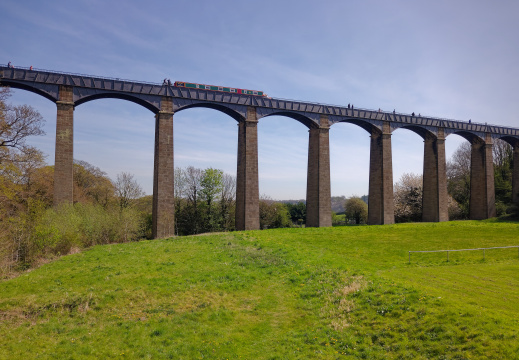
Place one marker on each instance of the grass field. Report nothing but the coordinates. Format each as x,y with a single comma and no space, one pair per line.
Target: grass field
316,293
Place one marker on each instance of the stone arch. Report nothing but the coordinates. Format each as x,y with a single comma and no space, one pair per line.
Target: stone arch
121,96
434,173
224,109
380,193
512,140
366,125
420,130
469,136
482,194
306,121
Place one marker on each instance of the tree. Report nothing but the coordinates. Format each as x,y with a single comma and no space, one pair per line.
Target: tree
297,212
127,189
91,184
273,214
458,176
228,202
408,192
503,173
356,209
211,187
17,123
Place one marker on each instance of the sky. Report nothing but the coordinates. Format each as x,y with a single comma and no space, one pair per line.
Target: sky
454,59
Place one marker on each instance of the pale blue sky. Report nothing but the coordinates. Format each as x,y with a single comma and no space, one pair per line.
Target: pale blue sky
452,59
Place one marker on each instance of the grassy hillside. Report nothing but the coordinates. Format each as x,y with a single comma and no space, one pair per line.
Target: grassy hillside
276,294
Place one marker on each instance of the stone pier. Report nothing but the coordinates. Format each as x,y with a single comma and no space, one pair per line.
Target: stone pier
434,201
482,193
247,183
380,198
64,160
318,190
163,173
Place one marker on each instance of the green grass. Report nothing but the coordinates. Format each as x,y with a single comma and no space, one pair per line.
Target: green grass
315,293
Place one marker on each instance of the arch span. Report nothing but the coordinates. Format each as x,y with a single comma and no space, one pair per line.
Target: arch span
33,89
470,137
309,123
423,132
224,109
511,140
368,126
121,96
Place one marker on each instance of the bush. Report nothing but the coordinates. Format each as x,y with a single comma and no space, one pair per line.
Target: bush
273,215
83,225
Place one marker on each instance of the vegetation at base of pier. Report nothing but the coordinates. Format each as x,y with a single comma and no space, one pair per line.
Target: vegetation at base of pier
315,293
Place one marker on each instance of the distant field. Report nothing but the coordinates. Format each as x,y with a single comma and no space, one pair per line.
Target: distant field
315,293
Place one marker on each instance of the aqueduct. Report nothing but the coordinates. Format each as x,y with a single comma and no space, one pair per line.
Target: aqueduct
70,90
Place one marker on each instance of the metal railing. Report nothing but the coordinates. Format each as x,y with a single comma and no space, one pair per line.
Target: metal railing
84,75
447,251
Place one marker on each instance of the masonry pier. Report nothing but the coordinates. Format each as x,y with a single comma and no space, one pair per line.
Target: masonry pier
318,190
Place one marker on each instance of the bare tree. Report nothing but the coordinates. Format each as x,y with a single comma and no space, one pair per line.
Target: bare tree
16,124
502,153
459,164
127,189
180,182
227,201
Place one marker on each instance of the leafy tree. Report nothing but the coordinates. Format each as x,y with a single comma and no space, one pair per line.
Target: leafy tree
193,210
204,200
211,187
458,176
297,212
356,209
273,214
503,171
91,184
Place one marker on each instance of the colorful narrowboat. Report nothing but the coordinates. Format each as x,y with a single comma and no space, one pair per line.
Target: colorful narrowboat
219,88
